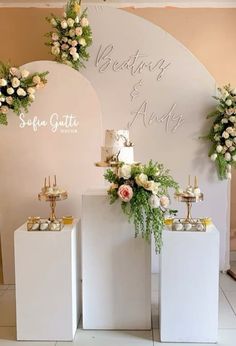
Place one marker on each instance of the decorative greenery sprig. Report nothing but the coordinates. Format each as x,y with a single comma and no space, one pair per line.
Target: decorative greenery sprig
222,133
17,89
143,191
71,36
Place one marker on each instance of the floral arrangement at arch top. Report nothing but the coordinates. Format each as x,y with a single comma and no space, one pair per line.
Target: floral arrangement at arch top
143,192
71,35
222,133
18,89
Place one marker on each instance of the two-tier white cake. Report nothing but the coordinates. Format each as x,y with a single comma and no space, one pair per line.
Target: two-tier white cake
117,147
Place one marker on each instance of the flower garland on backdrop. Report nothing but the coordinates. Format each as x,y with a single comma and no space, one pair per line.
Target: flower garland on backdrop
71,36
223,132
143,192
17,89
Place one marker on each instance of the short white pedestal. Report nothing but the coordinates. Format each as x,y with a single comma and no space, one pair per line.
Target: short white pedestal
116,268
189,286
47,283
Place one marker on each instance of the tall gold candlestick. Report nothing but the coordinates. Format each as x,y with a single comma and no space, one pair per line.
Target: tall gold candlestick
195,182
55,180
49,182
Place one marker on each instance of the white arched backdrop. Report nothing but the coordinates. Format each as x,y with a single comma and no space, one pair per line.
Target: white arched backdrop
28,155
149,82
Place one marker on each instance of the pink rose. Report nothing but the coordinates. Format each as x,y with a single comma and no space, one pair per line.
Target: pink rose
164,200
125,192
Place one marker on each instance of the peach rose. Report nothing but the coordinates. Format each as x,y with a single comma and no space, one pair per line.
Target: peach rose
125,192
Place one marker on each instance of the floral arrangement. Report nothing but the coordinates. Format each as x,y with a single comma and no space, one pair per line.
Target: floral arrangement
17,89
143,192
71,36
223,132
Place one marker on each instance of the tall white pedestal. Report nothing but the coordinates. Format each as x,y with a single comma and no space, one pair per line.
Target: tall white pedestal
47,270
116,268
189,286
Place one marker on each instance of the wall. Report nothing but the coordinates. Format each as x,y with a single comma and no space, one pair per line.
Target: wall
208,33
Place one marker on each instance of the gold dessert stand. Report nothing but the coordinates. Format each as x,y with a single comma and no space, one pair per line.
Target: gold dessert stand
189,200
52,199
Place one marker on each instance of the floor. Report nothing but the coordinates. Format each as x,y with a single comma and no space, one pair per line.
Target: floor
227,323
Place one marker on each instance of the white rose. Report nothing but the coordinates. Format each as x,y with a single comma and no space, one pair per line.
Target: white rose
233,91
234,157
152,186
229,130
84,21
224,121
70,22
64,46
227,156
3,82
141,179
21,92
74,43
125,171
230,111
228,175
82,42
75,56
64,39
24,73
228,102
15,72
154,201
31,90
9,100
216,138
219,148
36,79
53,22
72,33
69,41
63,24
78,31
214,157
164,201
10,91
231,149
55,50
55,36
56,44
73,50
225,135
15,82
2,98
232,119
4,109
64,56
228,143
31,97
225,94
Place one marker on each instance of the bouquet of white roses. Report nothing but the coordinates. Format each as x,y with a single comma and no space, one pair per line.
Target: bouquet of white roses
71,36
143,192
17,89
223,132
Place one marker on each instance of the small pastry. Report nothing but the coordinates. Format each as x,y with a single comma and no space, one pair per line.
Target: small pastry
199,227
35,226
178,227
187,226
197,191
43,226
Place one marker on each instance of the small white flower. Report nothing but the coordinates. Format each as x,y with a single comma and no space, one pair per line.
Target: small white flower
78,31
53,22
225,135
55,50
228,143
164,201
55,36
69,41
227,156
10,91
3,82
24,73
64,24
31,90
70,22
154,201
84,22
36,79
234,157
225,94
77,19
15,82
2,99
216,127
21,92
224,121
125,171
219,148
228,175
4,109
229,129
15,72
232,119
74,43
228,102
73,50
82,42
56,44
64,39
64,46
216,138
230,111
233,91
214,157
9,100
64,56
31,97
234,140
72,33
75,56
231,149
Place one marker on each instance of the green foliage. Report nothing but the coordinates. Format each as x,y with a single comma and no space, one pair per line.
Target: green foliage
146,218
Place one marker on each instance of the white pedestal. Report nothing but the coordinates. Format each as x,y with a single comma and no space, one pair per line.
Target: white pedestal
116,268
47,283
189,286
